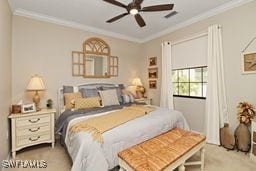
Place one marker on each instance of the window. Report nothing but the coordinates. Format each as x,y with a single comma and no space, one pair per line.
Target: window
190,82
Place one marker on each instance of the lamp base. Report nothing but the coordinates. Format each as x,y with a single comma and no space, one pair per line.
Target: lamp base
140,91
36,100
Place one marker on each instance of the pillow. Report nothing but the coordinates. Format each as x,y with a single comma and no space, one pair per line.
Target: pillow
127,98
70,89
109,97
118,91
70,98
85,103
89,92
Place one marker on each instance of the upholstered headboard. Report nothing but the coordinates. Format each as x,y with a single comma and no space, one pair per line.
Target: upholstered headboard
60,95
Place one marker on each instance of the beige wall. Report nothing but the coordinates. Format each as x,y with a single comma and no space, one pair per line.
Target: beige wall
5,75
238,29
45,49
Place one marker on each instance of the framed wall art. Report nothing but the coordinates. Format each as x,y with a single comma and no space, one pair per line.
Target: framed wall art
249,63
152,73
152,84
153,61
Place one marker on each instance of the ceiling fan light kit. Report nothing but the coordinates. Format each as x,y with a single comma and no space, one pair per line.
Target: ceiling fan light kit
134,8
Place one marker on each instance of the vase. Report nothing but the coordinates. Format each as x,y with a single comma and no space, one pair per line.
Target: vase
243,138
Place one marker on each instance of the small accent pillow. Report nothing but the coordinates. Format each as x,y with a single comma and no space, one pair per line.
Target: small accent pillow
85,103
109,97
127,98
89,92
70,99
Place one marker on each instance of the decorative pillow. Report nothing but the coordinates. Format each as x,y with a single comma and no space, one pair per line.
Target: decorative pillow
70,98
84,103
118,91
89,92
109,97
70,89
127,98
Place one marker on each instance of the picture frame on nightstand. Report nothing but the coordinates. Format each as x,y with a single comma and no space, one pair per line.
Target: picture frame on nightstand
28,108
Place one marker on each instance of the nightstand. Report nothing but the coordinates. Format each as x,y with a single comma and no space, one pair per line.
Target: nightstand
32,129
253,137
148,101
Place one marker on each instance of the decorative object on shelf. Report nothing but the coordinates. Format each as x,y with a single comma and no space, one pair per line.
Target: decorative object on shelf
246,113
95,61
152,73
249,59
49,104
140,90
16,109
36,84
153,61
152,84
28,108
226,138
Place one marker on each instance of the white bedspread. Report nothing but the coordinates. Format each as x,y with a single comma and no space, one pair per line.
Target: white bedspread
89,155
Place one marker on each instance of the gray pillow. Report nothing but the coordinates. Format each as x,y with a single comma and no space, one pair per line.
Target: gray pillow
118,91
109,97
68,89
89,92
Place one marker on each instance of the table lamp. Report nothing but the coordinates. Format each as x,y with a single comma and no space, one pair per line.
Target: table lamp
36,84
140,89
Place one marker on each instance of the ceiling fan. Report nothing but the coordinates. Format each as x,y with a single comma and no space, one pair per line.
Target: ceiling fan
134,8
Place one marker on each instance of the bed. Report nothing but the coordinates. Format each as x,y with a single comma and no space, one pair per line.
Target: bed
90,155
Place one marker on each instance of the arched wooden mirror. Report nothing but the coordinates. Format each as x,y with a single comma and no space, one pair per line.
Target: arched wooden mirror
96,58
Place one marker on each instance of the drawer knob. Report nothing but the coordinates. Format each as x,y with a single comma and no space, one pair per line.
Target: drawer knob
35,139
34,121
34,130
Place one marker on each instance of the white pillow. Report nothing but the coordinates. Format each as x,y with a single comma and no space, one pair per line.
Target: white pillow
109,97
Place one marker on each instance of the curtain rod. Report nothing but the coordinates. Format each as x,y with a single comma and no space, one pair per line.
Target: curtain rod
190,38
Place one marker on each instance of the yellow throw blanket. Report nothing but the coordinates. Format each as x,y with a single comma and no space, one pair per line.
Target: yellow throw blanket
98,125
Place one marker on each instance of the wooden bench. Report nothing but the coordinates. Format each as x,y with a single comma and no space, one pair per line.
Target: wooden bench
164,152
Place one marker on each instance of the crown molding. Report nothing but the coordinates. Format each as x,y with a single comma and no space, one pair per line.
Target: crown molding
58,21
210,13
62,22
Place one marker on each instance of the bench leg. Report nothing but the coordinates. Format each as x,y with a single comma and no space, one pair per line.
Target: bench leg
202,151
182,167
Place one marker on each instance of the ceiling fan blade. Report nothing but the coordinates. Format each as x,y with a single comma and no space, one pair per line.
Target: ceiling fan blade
114,2
164,7
117,17
138,2
140,20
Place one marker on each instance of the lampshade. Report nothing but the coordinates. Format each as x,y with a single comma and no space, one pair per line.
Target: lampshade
35,83
137,82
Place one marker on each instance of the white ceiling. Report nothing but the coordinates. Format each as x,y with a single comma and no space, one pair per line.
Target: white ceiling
92,14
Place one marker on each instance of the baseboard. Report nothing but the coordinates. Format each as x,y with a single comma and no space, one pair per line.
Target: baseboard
7,158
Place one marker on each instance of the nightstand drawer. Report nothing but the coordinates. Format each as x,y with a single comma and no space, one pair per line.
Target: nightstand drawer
35,120
33,130
24,141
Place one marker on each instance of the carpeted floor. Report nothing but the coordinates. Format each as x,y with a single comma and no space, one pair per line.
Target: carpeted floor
216,159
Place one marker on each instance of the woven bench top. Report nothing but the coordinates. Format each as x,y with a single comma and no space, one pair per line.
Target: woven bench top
158,153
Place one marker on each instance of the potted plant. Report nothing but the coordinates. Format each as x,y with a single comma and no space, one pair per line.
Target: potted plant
49,104
245,114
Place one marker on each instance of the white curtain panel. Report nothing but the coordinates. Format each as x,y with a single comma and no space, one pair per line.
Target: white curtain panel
216,105
166,99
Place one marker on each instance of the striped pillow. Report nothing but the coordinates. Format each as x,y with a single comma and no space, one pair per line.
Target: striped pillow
85,103
128,98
